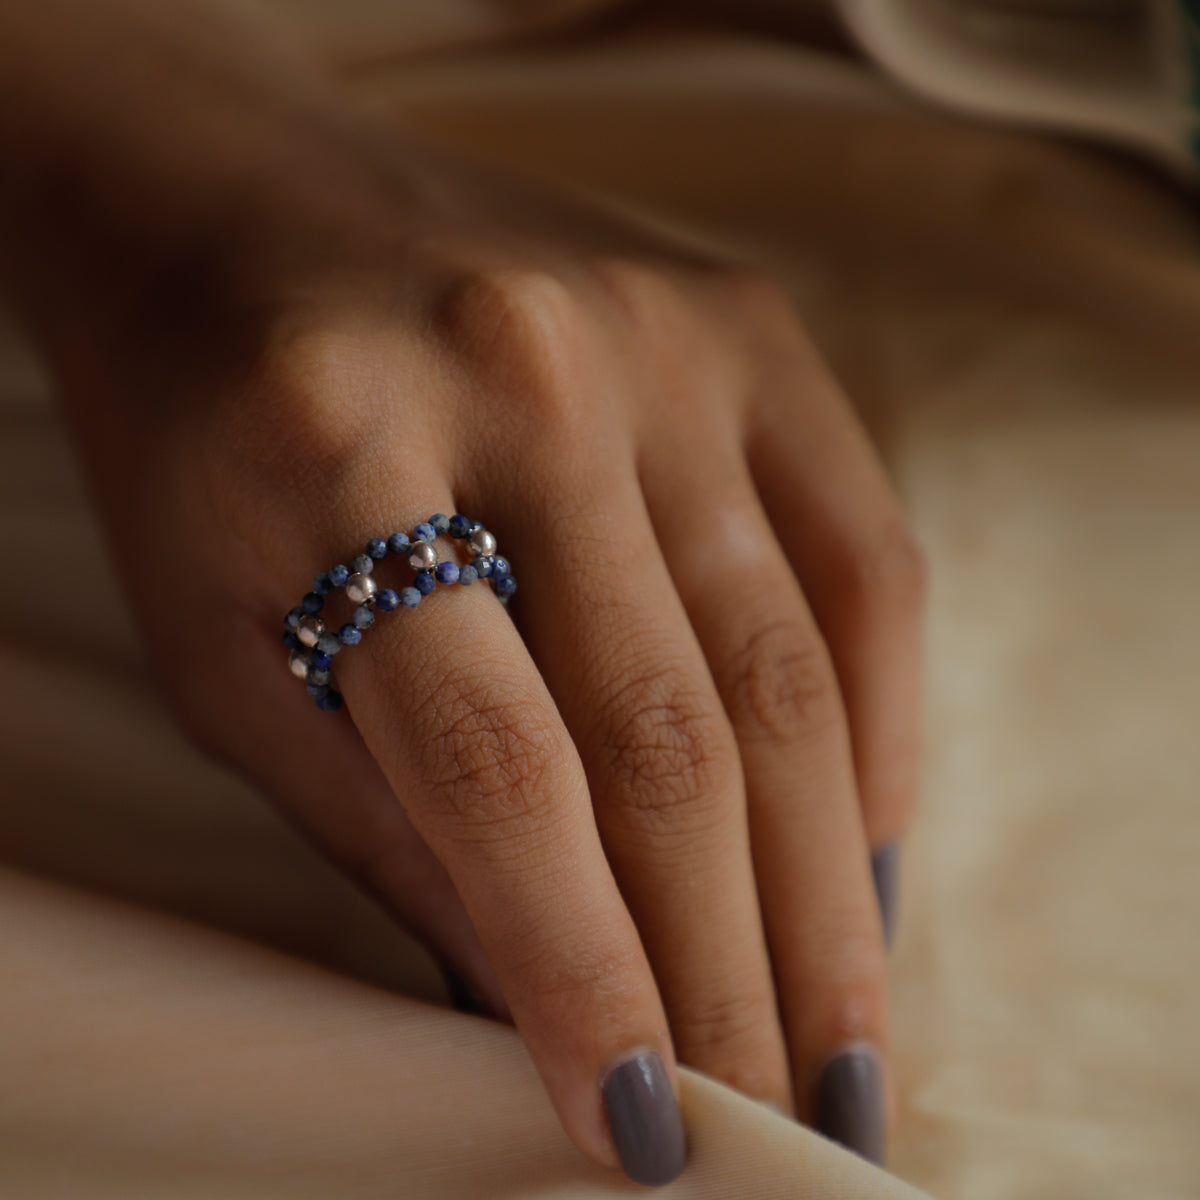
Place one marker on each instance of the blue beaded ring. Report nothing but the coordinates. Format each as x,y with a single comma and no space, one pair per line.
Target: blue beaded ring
313,644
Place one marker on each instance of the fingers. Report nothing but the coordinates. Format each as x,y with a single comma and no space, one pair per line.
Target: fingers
780,690
453,709
615,646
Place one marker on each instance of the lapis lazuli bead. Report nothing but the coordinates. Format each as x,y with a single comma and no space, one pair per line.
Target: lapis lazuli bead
330,702
500,566
447,572
312,604
349,634
363,617
329,643
323,585
467,575
425,583
339,574
293,619
397,543
317,690
504,586
483,565
424,532
319,658
410,597
459,525
377,548
440,522
363,564
318,674
386,600
291,641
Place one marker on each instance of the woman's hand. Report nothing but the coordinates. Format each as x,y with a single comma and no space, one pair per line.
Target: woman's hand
639,815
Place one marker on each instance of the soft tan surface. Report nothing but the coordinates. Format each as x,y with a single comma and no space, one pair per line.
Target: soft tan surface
1021,325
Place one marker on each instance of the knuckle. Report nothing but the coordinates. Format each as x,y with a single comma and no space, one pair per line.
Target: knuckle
648,299
782,686
840,956
891,570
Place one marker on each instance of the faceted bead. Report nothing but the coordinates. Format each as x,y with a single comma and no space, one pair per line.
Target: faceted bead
291,641
398,543
481,541
424,532
500,566
330,702
440,523
425,583
339,574
386,600
467,575
309,629
482,565
319,658
312,604
322,585
377,548
423,557
318,675
447,572
459,525
504,586
349,634
363,564
410,597
298,664
363,617
360,588
317,690
329,643
293,618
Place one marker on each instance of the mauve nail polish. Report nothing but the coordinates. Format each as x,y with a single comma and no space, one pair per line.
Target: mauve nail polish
850,1103
885,869
644,1118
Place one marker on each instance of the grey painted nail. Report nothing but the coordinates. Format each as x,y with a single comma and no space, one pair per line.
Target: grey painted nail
885,868
850,1103
644,1118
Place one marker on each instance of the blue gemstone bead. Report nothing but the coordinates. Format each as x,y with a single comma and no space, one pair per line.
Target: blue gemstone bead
424,532
322,584
338,575
410,597
500,566
440,522
459,525
349,635
424,583
291,641
363,617
447,572
329,643
312,604
330,702
319,659
317,690
483,565
318,674
377,548
292,620
386,600
505,586
364,564
397,543
468,575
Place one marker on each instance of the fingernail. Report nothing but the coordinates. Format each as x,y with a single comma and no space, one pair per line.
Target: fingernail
850,1103
885,868
462,996
644,1118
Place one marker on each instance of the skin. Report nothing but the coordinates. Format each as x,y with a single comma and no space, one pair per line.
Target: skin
639,811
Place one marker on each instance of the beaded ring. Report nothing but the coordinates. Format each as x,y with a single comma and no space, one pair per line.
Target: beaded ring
313,645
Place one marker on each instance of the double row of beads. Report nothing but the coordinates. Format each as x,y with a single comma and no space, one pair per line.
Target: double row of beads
313,644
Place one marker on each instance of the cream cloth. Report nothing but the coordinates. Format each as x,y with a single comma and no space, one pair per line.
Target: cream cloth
1019,323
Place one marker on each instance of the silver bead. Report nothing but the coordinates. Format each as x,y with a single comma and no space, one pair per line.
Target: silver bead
423,557
309,629
298,664
480,541
361,588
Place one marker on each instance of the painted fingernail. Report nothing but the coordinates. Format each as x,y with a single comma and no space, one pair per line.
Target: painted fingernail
885,868
850,1103
462,996
644,1118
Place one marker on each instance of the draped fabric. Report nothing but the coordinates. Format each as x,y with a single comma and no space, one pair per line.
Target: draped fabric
193,1004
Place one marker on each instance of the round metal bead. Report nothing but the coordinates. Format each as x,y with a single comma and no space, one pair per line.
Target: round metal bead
423,557
362,565
481,541
360,587
298,664
309,629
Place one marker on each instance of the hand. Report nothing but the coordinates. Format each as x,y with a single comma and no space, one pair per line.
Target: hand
638,815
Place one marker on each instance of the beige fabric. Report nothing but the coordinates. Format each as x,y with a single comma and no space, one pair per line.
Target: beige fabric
1018,323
